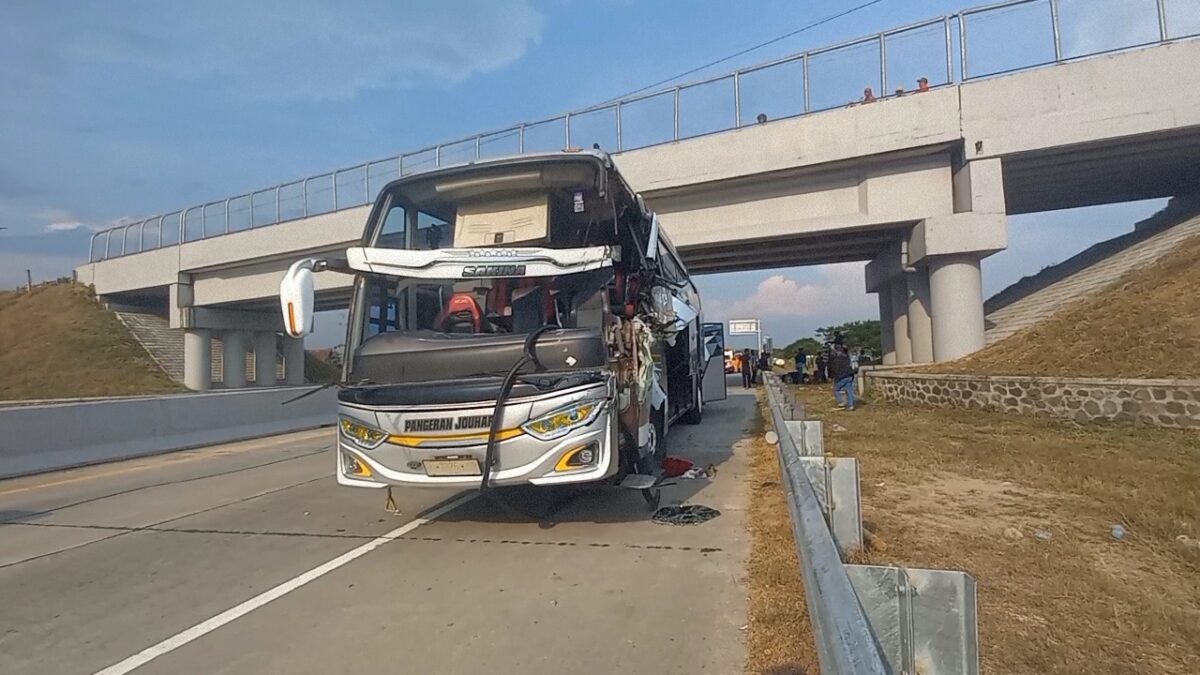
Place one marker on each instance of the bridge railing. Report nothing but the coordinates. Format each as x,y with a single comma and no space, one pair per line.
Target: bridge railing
974,43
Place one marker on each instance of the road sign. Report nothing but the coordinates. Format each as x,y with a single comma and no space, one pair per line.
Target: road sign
744,327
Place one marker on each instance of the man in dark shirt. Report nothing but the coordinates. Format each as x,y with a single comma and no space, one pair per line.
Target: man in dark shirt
747,369
842,374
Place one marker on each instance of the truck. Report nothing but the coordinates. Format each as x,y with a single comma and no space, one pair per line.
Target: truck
517,321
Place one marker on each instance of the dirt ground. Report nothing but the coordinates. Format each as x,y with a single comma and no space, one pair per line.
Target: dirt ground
56,342
780,638
1027,506
1145,325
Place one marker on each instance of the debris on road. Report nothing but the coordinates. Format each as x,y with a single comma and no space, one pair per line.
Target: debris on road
673,467
1118,532
1042,534
688,514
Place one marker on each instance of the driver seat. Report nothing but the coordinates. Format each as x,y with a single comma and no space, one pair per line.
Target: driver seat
461,315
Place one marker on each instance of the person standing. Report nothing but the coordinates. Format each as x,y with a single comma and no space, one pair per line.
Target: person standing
747,369
841,371
801,365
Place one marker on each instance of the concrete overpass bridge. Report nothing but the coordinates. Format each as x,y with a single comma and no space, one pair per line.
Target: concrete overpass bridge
920,185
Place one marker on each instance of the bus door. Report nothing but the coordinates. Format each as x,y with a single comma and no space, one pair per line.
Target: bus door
713,385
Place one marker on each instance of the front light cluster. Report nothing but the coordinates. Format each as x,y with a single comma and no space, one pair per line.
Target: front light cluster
363,435
558,423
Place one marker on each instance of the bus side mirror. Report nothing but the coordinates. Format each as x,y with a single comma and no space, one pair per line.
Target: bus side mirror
296,298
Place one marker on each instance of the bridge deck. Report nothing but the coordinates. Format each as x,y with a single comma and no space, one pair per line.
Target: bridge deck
101,563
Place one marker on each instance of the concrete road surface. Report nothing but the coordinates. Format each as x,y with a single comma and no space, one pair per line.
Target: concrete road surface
248,558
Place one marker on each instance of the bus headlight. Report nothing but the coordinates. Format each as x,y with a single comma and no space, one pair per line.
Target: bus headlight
559,422
363,435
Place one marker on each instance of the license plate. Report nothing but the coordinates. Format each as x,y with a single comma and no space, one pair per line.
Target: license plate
452,466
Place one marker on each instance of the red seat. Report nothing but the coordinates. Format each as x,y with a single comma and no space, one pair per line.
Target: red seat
461,315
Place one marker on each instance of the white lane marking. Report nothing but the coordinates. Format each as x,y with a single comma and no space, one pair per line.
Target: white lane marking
199,630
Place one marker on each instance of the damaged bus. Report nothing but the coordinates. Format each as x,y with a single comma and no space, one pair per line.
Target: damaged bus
516,321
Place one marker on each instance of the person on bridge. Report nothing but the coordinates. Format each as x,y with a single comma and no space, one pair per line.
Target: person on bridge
922,85
747,369
841,371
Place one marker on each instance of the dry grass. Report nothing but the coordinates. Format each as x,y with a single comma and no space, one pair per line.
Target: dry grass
56,342
1145,325
780,640
970,490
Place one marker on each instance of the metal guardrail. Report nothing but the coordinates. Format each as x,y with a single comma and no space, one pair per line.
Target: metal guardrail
679,111
865,618
845,643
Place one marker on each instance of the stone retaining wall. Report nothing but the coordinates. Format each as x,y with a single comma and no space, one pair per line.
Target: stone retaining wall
1165,403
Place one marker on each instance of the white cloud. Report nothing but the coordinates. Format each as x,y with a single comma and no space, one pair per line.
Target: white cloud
65,226
65,223
840,291
310,50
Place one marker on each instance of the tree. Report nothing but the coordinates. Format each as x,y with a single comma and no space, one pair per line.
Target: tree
856,335
809,345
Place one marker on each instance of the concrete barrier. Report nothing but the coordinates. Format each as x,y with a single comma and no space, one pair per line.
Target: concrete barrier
56,435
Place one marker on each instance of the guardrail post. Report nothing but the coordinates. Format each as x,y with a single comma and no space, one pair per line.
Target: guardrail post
367,178
252,210
1054,25
737,99
962,46
182,226
807,100
304,196
160,228
949,51
226,216
142,236
620,141
477,144
676,136
399,165
333,183
883,87
1163,33
521,140
567,128
437,156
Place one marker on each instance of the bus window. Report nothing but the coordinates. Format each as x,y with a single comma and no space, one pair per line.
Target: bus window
394,224
432,233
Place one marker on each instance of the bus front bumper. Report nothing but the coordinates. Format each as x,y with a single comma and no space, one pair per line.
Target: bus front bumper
583,455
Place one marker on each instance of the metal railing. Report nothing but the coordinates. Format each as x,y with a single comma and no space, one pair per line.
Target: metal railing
697,108
844,641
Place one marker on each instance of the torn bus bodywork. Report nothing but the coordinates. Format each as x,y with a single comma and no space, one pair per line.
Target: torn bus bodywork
517,321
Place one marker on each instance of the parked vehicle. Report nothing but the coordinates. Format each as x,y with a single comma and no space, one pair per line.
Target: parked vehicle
515,321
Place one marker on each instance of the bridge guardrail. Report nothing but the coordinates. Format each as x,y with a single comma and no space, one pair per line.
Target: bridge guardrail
865,618
52,435
679,112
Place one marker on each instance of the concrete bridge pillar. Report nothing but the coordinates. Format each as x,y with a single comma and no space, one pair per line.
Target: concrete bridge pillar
920,323
956,292
233,358
197,359
899,293
293,360
264,359
885,327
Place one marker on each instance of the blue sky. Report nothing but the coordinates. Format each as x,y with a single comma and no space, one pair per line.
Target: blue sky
113,110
